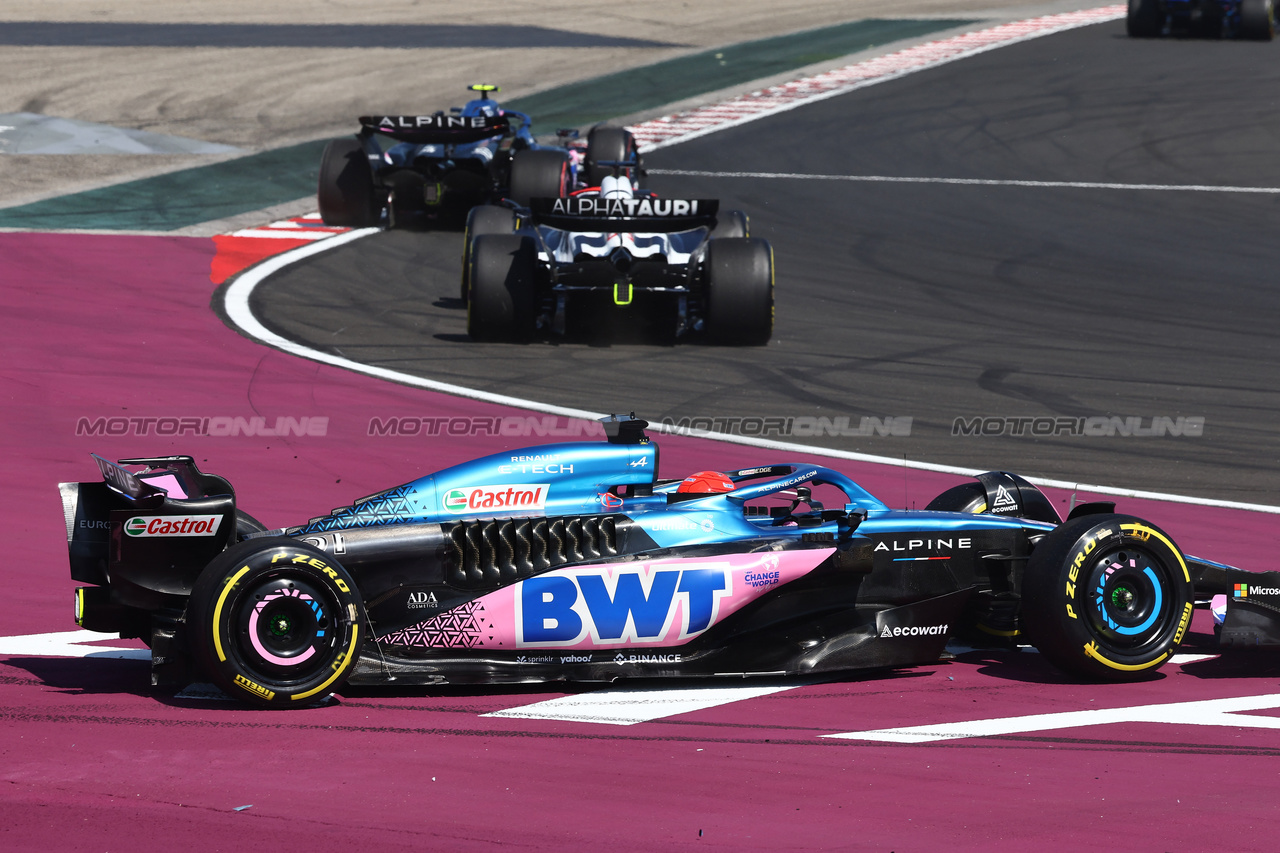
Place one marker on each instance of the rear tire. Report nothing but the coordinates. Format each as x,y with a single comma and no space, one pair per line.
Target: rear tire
276,622
609,143
483,219
730,223
539,173
346,193
1107,598
1145,19
1257,20
739,291
503,288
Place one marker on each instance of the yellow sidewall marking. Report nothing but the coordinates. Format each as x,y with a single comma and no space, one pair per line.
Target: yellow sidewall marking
1091,650
773,309
993,632
1174,548
217,611
355,636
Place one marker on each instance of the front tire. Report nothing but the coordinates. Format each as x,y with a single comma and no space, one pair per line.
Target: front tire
1107,598
346,193
483,219
966,497
739,291
539,173
247,524
503,288
1145,19
994,615
276,622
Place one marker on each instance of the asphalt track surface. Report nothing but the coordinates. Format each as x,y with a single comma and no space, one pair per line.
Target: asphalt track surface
91,758
935,301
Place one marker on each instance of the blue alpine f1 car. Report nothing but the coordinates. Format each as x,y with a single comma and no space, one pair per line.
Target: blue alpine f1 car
576,562
404,166
1245,19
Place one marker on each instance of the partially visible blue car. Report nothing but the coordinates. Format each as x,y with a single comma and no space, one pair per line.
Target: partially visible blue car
1245,19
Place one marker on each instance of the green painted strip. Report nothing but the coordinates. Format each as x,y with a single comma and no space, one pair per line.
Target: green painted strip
205,193
639,89
178,199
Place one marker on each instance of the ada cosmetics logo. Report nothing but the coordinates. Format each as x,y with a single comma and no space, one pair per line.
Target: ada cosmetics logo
172,525
472,499
421,600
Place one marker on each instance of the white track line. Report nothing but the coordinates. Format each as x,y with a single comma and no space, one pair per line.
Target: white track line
67,644
628,706
977,182
237,295
1206,712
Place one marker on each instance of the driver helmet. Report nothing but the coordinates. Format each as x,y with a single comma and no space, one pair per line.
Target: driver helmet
705,483
481,107
616,187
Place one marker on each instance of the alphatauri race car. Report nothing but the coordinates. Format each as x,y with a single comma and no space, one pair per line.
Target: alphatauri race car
402,166
1245,19
667,265
573,561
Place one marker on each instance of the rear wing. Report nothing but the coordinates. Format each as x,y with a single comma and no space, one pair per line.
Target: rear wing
147,534
437,129
632,215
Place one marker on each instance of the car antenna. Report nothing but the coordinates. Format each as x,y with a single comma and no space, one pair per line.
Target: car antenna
904,481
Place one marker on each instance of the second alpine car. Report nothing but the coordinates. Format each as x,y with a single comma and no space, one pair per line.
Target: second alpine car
400,166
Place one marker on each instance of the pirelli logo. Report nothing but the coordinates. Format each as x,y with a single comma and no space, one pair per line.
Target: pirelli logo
241,681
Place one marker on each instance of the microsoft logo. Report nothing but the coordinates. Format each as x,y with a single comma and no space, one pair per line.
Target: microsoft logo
1244,590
